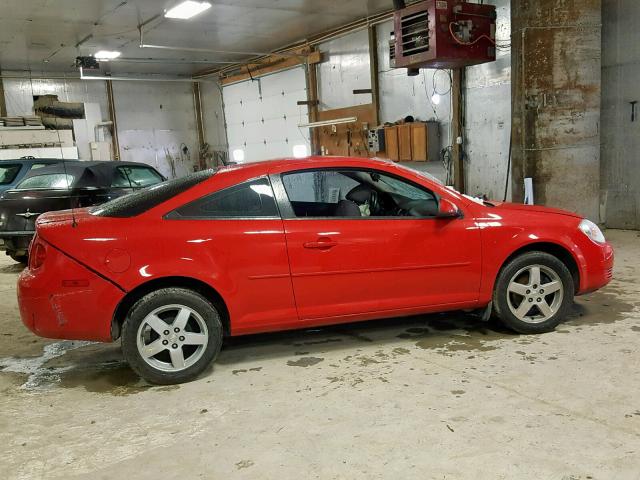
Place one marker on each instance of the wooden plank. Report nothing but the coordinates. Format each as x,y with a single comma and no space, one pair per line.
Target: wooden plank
271,64
404,142
349,139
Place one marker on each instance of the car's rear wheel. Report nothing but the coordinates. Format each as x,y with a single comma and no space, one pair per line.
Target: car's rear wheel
533,293
171,335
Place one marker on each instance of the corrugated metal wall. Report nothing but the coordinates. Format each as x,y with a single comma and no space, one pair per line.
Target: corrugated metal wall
556,102
620,136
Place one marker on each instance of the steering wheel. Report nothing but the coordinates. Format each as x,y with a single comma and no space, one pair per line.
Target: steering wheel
374,203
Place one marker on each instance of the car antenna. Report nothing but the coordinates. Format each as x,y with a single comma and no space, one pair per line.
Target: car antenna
74,224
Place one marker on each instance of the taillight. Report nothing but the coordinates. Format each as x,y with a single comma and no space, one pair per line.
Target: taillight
37,255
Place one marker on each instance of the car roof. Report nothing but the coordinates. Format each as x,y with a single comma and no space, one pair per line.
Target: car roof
308,162
31,160
87,173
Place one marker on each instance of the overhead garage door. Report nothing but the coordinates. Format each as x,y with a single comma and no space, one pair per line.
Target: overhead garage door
262,117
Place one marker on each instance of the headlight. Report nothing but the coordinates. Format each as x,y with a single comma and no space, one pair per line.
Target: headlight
592,231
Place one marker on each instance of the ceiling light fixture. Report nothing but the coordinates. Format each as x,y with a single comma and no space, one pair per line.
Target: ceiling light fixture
106,55
187,9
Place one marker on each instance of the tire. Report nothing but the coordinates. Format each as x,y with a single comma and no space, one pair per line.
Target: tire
526,309
185,338
18,258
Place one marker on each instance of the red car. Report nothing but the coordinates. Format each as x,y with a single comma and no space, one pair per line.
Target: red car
294,244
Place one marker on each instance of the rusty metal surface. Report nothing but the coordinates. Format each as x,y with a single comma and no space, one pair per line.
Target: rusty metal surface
556,71
620,135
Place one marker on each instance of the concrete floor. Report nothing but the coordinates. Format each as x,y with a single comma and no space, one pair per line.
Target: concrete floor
432,397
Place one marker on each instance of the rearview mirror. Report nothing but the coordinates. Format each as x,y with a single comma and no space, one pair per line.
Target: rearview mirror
447,209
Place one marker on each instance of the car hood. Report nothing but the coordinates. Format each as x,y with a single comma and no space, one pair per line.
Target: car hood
521,207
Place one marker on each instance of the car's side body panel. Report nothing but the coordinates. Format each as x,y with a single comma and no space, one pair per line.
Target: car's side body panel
270,281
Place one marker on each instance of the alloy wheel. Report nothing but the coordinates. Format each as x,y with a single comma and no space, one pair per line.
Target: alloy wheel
172,338
535,294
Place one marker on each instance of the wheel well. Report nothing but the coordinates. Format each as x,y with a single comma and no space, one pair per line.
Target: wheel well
140,291
557,251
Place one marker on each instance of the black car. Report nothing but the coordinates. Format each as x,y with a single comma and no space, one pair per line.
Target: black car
70,184
12,171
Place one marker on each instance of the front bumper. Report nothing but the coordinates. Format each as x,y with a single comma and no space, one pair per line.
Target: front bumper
62,299
598,268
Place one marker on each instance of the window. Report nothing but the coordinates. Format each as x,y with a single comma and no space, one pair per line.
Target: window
252,199
51,180
135,177
356,193
148,198
8,173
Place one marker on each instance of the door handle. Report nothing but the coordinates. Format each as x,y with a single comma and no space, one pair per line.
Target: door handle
320,244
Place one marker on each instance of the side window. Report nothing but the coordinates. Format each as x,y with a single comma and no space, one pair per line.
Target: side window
136,177
253,199
356,193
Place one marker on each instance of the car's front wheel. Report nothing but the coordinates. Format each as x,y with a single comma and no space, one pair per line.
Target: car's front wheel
171,335
533,293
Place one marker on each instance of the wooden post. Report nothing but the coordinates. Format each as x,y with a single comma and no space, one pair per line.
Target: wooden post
373,67
3,105
197,108
312,97
114,122
457,127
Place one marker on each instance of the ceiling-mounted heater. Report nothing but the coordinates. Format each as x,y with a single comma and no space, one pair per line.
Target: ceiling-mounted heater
443,34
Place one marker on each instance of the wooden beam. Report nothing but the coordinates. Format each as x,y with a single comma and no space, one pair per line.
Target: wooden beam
271,64
312,97
197,108
457,127
114,122
3,104
373,68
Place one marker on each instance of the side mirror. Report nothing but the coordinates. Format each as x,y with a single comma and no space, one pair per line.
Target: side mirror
447,209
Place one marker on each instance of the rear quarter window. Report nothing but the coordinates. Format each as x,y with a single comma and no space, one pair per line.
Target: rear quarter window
8,173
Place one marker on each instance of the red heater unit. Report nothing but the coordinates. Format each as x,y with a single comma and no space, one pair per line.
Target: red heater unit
444,34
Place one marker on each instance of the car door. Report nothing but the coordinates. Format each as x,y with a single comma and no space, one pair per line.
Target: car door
236,238
363,262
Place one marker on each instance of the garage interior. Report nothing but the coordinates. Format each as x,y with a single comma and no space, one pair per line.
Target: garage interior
552,120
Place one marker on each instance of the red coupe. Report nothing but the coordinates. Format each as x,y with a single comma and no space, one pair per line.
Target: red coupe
294,244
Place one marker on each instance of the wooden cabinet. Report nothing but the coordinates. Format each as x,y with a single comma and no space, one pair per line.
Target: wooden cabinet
419,142
412,142
391,143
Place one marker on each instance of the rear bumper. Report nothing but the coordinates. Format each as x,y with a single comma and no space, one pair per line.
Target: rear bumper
62,299
16,241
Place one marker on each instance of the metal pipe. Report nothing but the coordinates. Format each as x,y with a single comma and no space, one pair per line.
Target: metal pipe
209,50
325,123
197,104
169,61
114,122
132,79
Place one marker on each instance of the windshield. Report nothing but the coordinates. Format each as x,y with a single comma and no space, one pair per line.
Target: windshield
51,180
8,173
426,175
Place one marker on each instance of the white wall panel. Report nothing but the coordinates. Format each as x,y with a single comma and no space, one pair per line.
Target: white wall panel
153,118
262,115
401,95
346,68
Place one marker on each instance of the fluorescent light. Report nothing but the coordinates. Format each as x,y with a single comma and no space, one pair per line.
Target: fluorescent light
106,55
238,155
187,9
300,151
